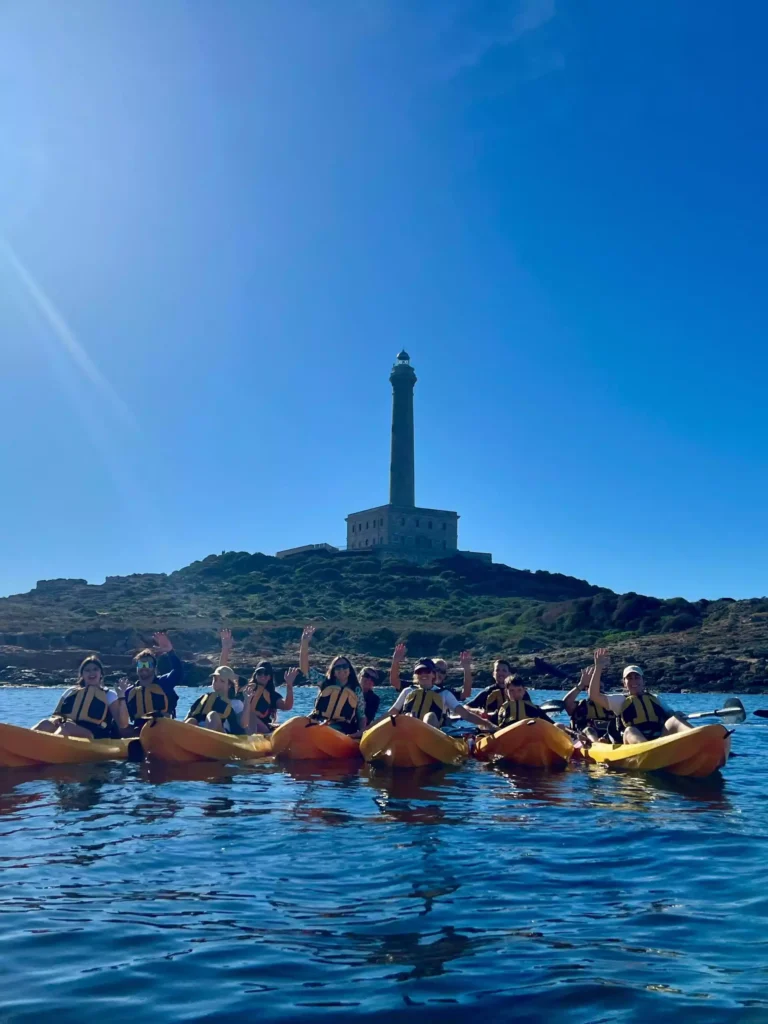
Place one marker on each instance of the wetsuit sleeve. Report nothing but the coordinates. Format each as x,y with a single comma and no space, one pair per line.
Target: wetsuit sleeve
360,711
478,701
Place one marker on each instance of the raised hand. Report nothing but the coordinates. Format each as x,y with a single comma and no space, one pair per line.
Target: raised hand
602,658
400,654
121,686
226,639
162,643
586,675
290,676
465,659
307,634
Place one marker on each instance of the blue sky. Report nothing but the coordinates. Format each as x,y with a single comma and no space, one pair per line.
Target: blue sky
220,221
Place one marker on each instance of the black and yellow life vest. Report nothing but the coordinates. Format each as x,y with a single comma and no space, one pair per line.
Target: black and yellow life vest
516,710
421,702
147,701
643,713
493,701
587,713
85,705
338,704
212,701
263,702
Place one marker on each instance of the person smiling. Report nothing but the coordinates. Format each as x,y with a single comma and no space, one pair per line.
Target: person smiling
152,695
641,715
340,702
422,699
89,709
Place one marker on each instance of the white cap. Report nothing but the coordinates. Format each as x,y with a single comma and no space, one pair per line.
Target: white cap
630,669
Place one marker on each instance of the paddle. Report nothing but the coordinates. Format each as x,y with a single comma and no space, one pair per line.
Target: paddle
761,713
732,711
553,705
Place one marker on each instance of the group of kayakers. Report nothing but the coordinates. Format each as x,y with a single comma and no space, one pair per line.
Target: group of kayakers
349,703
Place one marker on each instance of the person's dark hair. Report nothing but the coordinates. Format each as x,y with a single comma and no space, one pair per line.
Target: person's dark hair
92,659
146,653
352,681
270,682
372,673
503,661
514,680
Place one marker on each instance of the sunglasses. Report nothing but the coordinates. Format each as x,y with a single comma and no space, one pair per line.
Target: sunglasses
145,663
367,675
441,671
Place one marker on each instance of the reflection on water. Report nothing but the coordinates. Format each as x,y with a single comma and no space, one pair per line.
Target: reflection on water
291,892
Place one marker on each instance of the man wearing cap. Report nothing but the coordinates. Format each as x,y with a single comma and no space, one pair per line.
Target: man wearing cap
641,715
153,695
422,700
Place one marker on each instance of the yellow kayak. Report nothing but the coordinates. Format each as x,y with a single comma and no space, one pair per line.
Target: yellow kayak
301,739
695,753
407,742
24,748
165,739
531,742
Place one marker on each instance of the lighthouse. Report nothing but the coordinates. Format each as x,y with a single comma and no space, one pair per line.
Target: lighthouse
403,529
402,476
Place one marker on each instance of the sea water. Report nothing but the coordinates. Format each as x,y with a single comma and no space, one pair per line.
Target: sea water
309,892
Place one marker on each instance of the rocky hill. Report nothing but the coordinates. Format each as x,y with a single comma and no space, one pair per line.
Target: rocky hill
363,606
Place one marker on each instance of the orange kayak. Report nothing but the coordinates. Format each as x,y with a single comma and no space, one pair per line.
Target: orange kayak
165,739
301,739
407,742
24,748
531,742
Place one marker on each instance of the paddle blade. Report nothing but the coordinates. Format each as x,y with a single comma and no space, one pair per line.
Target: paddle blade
553,705
761,712
733,711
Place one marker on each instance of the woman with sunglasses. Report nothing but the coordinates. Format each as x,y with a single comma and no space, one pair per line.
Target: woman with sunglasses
263,699
153,695
340,702
89,709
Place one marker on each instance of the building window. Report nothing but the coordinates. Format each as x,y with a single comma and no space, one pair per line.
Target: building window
430,524
381,522
402,522
366,526
353,527
444,526
366,542
417,522
443,545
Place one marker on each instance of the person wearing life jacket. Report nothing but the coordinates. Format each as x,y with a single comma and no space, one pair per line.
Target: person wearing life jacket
340,702
153,695
88,709
219,708
591,719
265,700
441,668
492,697
425,700
640,715
517,704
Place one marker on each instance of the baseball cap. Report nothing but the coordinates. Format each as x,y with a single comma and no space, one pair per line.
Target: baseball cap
630,669
225,672
425,665
265,666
